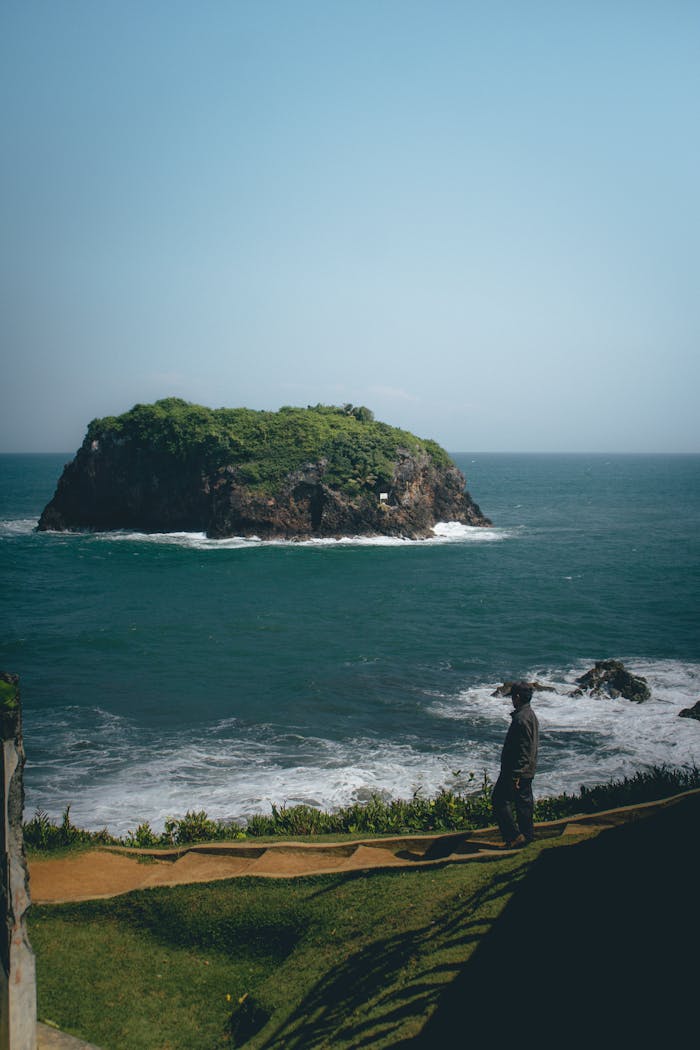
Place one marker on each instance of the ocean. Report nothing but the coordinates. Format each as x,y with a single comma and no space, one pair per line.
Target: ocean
164,673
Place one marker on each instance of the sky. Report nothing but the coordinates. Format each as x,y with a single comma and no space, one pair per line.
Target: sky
479,219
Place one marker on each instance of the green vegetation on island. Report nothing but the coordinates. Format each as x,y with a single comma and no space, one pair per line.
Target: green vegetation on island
267,446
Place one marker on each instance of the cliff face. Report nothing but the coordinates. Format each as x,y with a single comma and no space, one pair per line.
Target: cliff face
124,478
305,505
117,485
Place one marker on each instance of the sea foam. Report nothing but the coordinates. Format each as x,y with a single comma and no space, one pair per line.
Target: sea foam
587,740
17,527
443,532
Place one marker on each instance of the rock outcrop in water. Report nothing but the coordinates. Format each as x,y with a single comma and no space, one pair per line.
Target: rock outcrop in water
691,712
294,474
611,678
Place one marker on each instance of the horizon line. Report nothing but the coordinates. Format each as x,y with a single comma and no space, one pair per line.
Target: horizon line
457,452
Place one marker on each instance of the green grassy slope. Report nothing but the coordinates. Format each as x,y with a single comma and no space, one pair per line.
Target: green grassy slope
565,937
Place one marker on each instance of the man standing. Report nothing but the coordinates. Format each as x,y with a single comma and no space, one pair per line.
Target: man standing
518,765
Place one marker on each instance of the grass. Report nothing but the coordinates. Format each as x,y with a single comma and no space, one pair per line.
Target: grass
288,963
119,986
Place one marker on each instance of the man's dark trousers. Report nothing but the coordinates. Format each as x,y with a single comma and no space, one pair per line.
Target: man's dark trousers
505,796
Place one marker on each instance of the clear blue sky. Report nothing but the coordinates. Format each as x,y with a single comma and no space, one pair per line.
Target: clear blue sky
480,219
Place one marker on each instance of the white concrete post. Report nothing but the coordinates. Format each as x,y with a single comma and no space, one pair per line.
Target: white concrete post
17,967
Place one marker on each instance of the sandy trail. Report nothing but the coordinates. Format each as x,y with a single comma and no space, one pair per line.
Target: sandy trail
107,872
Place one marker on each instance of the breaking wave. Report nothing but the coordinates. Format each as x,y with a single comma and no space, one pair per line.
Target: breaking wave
443,532
117,773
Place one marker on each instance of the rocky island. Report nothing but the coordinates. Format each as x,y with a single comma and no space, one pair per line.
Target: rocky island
321,471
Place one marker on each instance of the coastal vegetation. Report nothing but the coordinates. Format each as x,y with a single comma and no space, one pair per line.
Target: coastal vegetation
267,446
446,811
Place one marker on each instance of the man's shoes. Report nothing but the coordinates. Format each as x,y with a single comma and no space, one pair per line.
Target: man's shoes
517,843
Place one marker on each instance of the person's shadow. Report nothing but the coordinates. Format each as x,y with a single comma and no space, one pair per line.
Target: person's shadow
600,946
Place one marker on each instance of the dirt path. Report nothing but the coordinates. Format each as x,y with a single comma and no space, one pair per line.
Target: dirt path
106,872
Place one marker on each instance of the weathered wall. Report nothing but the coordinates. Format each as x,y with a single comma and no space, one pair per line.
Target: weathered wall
17,968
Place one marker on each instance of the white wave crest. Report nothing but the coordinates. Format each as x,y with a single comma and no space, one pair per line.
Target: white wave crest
443,532
456,532
17,527
229,771
590,740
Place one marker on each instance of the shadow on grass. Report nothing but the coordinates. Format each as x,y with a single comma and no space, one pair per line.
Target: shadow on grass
599,946
387,983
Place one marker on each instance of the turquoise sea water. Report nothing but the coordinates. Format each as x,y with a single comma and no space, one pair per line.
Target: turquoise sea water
161,673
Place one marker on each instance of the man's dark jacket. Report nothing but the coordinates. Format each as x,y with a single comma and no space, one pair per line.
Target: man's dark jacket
519,754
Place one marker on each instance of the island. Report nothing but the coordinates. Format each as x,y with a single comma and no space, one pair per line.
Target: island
298,473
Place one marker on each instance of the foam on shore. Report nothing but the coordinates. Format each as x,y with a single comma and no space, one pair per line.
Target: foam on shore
443,532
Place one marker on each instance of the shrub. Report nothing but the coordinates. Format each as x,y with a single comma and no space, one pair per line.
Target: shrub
39,832
448,810
142,838
193,827
42,833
